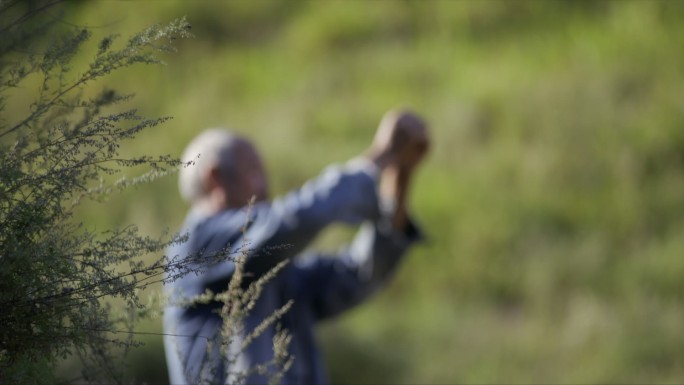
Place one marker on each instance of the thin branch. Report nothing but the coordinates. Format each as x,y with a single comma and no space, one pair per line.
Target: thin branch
29,15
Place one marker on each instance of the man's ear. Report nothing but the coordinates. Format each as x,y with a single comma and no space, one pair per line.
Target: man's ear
213,178
216,191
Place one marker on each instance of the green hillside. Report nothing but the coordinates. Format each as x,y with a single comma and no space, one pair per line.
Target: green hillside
553,199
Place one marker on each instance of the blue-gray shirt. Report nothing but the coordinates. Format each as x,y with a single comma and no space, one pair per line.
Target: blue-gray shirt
321,286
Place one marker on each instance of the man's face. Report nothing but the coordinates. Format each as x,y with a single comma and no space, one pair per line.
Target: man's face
249,179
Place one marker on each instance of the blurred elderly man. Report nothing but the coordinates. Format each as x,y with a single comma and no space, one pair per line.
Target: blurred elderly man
369,190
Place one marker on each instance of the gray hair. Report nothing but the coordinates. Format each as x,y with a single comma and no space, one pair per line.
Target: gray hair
213,147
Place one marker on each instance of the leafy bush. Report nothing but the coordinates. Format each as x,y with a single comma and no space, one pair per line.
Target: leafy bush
56,275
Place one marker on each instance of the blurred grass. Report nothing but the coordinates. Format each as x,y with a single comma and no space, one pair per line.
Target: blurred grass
553,198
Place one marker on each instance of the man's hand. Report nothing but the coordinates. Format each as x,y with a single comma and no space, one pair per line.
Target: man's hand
400,144
401,141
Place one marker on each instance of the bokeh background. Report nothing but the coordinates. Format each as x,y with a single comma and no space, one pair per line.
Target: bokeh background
553,198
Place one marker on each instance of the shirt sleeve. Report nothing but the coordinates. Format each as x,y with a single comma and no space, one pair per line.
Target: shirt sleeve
337,282
277,231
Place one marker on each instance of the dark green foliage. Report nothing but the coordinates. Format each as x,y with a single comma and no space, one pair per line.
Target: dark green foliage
55,273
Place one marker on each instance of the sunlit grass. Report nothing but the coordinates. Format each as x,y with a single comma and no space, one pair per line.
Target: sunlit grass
553,199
